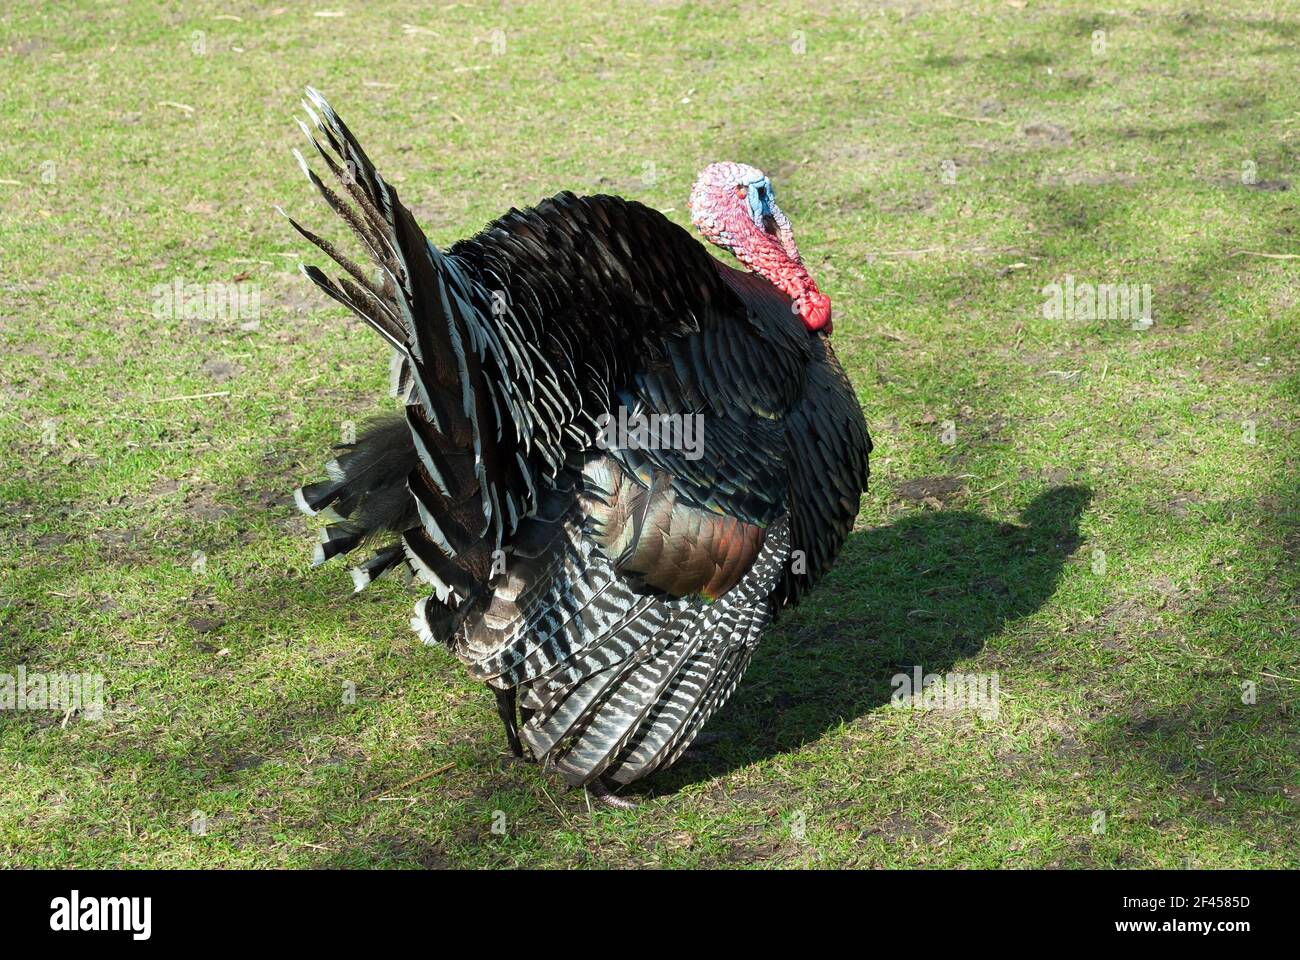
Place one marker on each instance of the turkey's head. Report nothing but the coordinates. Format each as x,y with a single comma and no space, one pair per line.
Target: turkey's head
734,206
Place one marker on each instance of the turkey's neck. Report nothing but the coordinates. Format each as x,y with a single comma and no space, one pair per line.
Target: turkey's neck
774,257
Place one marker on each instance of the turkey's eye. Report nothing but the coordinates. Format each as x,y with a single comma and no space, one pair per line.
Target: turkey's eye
742,191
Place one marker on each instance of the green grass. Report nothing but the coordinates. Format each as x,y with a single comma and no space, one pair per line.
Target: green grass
1122,690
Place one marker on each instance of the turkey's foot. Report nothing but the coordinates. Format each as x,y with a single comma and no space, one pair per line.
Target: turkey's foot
599,790
524,756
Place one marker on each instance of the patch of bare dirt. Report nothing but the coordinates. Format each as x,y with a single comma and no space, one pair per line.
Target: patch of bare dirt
1180,504
205,625
219,370
1047,134
923,489
922,203
929,829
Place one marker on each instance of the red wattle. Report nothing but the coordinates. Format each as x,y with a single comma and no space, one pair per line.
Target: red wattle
816,312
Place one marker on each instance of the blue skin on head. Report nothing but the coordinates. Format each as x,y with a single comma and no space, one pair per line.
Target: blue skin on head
761,201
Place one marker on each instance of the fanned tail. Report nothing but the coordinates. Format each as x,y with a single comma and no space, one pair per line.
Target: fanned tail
427,477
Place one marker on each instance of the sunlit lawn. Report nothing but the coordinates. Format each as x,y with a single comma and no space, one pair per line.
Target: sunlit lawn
1103,516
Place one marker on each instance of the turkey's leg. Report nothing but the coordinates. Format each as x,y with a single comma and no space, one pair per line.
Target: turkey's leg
506,710
600,790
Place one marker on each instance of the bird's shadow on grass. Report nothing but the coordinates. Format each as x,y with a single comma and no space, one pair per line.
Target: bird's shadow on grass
927,590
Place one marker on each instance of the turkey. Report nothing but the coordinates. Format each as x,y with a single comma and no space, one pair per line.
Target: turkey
617,458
